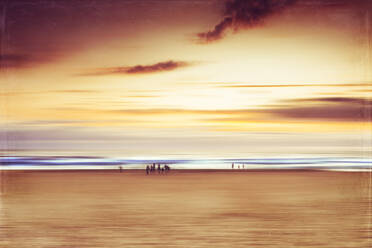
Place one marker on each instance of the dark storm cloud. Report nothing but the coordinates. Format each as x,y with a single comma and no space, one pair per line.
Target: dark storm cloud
240,14
245,14
139,69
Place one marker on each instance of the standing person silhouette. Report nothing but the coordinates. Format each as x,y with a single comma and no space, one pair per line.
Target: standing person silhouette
147,169
232,166
120,168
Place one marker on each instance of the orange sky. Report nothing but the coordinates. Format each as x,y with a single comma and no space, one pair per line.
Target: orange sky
138,70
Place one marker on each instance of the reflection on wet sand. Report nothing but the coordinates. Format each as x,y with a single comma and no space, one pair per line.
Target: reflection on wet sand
184,209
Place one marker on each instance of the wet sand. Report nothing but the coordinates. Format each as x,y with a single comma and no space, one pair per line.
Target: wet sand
184,209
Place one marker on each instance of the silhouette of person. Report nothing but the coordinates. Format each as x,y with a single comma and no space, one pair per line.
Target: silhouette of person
232,166
147,169
120,168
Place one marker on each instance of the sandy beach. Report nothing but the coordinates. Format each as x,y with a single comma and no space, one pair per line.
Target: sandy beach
185,208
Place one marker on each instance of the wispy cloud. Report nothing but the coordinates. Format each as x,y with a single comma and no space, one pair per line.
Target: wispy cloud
17,93
223,85
328,108
345,109
148,111
338,100
75,91
142,96
164,66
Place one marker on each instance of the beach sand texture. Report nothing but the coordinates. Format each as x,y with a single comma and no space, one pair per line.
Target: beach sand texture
184,209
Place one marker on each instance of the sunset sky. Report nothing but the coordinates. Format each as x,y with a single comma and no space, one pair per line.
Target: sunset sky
157,77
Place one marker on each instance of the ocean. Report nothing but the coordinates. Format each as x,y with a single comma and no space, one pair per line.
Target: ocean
258,163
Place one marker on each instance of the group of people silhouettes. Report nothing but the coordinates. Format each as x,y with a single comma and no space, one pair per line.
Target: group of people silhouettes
152,168
232,166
